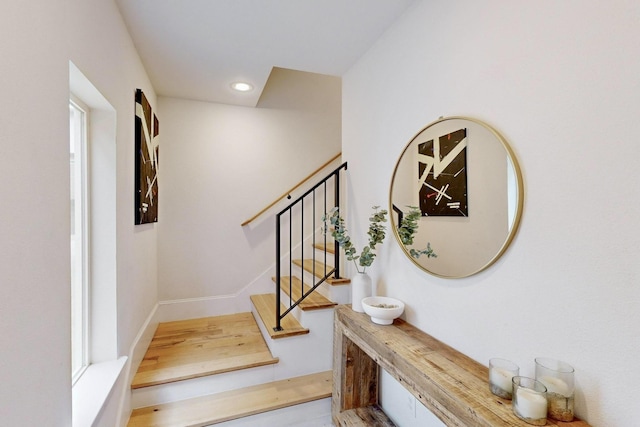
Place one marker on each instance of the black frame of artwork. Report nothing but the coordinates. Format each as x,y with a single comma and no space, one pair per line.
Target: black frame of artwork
146,161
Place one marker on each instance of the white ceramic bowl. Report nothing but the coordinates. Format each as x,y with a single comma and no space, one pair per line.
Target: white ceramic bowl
382,309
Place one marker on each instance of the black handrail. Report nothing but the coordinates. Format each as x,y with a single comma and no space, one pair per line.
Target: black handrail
299,203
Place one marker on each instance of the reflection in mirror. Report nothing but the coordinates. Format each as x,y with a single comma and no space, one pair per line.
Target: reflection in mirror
464,180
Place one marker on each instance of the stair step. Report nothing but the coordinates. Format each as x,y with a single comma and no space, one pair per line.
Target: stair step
230,405
367,416
330,247
266,306
195,348
318,269
314,301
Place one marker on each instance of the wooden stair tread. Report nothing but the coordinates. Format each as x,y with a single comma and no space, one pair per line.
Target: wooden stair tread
225,406
330,247
366,416
318,269
199,347
314,301
265,305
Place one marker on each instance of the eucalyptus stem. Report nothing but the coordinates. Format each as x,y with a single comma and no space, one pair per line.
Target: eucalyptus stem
407,230
376,233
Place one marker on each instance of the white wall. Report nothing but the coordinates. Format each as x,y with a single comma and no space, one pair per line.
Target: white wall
38,38
222,164
34,216
560,81
101,48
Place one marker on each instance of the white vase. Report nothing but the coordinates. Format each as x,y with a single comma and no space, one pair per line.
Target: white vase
360,289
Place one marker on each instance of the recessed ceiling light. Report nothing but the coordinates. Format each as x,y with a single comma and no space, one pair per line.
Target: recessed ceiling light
241,86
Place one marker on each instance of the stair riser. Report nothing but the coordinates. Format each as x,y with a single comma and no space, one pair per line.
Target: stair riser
304,354
340,294
194,387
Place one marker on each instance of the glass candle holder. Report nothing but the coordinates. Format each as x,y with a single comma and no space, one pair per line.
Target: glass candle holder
530,400
501,371
558,377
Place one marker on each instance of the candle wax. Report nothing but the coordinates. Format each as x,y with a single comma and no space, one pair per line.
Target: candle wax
531,404
501,378
555,385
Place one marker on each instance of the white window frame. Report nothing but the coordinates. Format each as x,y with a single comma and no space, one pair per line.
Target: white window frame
79,133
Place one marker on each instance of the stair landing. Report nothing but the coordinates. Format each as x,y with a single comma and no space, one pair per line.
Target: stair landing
199,347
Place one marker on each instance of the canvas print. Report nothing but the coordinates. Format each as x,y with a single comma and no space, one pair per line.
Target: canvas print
442,170
147,152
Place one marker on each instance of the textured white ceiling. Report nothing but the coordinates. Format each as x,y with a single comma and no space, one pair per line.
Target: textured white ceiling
196,48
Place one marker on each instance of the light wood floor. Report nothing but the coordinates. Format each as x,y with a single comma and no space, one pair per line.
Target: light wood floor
199,347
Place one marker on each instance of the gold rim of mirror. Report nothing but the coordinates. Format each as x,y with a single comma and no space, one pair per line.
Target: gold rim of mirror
518,206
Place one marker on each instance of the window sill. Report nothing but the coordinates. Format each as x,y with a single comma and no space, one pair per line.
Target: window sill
92,390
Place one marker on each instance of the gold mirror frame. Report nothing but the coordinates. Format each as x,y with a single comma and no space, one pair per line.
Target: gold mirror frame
482,141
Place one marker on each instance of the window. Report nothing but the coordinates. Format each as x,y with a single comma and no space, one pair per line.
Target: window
94,344
78,119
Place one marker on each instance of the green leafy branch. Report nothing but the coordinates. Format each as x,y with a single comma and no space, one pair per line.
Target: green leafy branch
407,231
339,232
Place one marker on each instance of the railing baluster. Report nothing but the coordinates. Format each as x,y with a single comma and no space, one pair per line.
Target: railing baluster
290,251
313,234
300,202
278,318
324,213
336,248
302,240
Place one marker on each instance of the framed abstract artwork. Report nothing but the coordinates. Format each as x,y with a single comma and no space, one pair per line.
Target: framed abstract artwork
146,161
442,168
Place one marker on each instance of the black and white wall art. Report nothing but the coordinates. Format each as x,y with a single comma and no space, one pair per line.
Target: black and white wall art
442,171
146,160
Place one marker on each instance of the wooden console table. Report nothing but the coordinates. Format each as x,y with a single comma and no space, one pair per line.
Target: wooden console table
451,385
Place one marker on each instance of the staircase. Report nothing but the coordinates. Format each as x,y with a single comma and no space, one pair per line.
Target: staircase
268,367
237,370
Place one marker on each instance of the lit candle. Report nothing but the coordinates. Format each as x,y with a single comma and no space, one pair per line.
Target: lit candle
501,378
530,404
555,385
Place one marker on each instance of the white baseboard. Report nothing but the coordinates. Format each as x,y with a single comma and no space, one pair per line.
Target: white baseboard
136,354
218,305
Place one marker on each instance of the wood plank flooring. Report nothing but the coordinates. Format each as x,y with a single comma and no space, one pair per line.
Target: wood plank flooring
220,407
194,348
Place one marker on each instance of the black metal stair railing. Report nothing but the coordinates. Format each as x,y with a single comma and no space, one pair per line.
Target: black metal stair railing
314,203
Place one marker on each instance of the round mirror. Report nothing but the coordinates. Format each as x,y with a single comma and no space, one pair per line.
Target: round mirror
456,197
